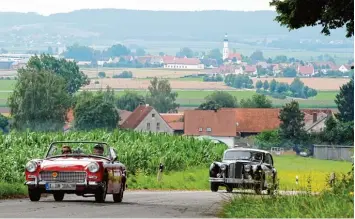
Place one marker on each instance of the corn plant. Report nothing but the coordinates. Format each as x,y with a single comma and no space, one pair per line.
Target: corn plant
138,151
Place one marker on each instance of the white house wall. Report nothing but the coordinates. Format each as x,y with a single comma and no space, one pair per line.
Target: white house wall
164,127
181,66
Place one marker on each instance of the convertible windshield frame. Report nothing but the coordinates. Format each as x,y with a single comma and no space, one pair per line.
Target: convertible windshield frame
106,146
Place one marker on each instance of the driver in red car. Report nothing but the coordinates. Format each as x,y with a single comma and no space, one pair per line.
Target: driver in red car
98,150
66,149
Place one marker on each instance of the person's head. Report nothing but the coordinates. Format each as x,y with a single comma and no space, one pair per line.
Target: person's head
98,149
66,149
258,156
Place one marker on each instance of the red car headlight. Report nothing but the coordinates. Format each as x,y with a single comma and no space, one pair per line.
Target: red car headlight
93,167
31,166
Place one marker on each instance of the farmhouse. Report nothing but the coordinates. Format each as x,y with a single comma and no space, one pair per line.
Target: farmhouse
307,71
182,63
216,124
145,118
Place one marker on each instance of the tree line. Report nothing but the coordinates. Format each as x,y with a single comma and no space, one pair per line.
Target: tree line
281,90
48,88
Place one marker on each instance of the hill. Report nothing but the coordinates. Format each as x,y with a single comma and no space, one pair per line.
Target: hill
114,24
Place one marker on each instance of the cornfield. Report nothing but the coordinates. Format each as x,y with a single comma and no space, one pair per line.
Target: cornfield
140,152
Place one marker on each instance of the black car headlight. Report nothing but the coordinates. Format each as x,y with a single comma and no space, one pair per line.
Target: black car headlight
223,167
247,168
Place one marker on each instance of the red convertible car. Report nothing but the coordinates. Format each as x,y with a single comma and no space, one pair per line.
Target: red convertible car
80,168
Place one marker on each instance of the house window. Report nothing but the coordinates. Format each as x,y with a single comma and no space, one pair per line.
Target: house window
153,115
148,126
200,129
158,126
209,129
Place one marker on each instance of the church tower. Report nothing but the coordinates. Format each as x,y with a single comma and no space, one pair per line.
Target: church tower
225,48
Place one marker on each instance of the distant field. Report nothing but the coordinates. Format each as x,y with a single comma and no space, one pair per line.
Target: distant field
142,72
192,91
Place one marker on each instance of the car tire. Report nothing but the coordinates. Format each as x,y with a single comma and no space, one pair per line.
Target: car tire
58,196
214,187
100,194
259,187
34,194
229,189
118,197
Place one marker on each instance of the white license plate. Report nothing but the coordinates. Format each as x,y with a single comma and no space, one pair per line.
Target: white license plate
60,186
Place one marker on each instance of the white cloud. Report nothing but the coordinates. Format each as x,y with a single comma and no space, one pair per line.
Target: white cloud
46,7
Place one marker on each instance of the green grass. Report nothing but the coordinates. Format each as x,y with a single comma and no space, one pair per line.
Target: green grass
8,190
6,85
324,99
328,205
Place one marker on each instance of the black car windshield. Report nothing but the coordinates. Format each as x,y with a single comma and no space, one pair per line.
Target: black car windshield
243,155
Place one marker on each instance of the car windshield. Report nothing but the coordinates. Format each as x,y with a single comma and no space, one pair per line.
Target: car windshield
243,155
78,149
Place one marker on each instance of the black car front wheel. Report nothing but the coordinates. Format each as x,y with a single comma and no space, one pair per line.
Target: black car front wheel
214,187
34,194
119,196
58,196
100,195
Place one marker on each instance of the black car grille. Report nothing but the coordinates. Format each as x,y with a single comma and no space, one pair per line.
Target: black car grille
235,170
76,177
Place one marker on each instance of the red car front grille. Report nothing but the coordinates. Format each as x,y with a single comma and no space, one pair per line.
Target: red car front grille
53,176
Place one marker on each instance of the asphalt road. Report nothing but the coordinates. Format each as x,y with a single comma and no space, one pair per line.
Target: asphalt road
136,204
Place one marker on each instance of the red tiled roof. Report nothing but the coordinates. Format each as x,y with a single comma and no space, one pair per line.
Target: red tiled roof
219,122
168,59
172,117
255,120
136,117
305,70
235,55
250,68
176,125
124,114
174,120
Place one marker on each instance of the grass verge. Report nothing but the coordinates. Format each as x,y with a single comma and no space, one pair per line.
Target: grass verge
13,190
326,205
335,202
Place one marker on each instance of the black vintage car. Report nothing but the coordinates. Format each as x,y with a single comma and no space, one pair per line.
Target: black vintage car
244,168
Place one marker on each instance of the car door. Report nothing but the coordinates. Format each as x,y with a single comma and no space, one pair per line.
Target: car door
118,172
268,169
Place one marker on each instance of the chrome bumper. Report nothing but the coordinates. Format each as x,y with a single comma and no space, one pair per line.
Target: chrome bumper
37,183
233,180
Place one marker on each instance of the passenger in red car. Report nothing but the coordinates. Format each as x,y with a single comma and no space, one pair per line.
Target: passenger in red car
66,149
98,150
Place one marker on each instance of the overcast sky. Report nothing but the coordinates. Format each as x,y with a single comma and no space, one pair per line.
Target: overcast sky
46,7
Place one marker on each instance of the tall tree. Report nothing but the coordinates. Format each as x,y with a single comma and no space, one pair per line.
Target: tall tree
73,77
273,85
330,14
266,85
345,102
161,97
221,99
292,122
39,101
257,101
185,52
130,100
96,110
